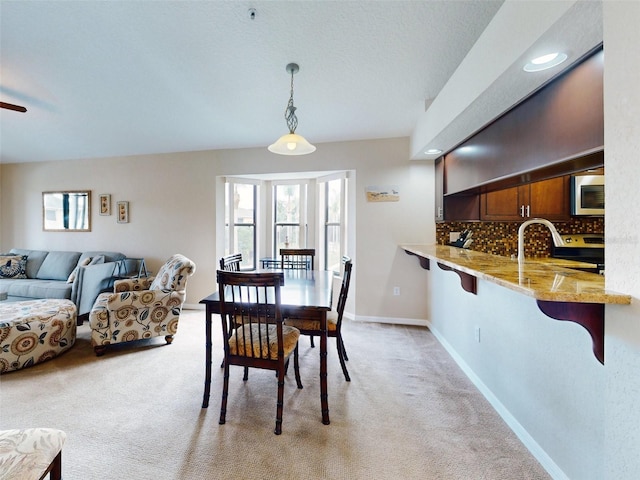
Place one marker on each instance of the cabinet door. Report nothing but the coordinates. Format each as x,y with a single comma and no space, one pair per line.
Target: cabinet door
439,189
545,199
502,204
550,199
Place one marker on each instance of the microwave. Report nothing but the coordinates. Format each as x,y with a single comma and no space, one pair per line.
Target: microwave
587,195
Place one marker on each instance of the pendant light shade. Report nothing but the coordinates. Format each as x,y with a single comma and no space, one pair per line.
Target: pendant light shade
291,143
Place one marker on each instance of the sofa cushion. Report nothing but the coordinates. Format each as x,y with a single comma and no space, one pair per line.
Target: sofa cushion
13,266
58,265
31,288
108,256
34,260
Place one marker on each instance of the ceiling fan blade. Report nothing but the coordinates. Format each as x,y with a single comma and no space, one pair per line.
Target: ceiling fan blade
11,106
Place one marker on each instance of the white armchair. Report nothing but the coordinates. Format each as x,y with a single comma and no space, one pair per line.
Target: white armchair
142,307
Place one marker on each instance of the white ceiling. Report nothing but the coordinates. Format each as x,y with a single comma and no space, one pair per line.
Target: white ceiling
108,78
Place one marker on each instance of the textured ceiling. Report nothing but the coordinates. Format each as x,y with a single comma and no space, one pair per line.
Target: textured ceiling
111,78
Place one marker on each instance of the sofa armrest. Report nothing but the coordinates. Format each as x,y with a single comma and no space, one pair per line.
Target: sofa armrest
92,280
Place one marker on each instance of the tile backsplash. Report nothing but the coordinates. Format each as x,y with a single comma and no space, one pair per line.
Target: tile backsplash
501,238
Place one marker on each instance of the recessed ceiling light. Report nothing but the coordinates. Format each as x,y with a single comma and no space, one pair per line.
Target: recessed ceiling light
433,151
545,61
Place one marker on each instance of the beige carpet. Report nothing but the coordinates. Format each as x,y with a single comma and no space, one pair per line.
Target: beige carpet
134,414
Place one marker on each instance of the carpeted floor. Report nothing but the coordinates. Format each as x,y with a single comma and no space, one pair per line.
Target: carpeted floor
135,414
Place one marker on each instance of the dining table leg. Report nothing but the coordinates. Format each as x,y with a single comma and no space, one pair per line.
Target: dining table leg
208,355
324,396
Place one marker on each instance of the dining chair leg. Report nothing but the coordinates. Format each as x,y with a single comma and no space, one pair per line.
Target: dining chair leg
312,344
344,350
296,367
245,377
341,356
225,394
280,402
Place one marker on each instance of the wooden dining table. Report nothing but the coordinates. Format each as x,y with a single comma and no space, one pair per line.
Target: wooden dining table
306,294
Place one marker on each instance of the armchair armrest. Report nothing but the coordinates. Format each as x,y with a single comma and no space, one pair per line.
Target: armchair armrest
132,284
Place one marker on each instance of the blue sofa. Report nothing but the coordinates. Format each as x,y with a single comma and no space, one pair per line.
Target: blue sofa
79,277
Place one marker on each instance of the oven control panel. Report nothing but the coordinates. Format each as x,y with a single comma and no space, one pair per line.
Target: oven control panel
583,240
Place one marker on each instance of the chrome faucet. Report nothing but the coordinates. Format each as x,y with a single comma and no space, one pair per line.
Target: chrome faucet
557,239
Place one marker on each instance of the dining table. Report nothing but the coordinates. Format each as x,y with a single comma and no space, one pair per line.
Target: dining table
305,294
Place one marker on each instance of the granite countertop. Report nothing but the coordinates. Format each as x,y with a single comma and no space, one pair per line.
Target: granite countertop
543,279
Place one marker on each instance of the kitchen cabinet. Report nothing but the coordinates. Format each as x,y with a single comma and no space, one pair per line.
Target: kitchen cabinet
439,189
548,199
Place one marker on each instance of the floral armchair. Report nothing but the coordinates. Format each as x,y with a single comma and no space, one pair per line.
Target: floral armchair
141,307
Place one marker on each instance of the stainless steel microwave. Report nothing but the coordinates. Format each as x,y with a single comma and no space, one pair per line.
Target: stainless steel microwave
587,195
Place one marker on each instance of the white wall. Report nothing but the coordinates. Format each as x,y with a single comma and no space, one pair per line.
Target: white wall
539,373
173,209
622,327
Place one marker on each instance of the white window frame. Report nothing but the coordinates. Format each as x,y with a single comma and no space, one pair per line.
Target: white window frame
322,215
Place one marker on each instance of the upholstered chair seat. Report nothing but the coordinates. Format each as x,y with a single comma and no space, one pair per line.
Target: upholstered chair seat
310,324
256,341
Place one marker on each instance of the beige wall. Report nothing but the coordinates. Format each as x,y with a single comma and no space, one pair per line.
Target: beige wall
173,209
622,323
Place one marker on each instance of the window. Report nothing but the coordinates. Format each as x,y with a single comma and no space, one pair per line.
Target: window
332,196
332,225
263,213
289,201
241,205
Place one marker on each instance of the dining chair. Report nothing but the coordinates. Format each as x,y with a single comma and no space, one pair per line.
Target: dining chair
297,258
231,263
262,340
334,320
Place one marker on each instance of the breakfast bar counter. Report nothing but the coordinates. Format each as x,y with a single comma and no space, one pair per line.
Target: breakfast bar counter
543,280
561,293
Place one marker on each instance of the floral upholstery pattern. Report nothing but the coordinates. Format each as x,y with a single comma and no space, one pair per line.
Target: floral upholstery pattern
27,454
142,307
34,331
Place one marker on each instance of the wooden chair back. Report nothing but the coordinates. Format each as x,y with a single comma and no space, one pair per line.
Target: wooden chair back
344,289
297,258
231,263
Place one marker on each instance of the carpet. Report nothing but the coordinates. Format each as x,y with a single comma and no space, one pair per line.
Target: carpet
135,413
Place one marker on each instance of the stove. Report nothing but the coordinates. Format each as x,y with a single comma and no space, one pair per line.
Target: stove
582,247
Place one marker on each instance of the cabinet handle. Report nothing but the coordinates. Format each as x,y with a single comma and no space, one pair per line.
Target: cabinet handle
522,211
528,211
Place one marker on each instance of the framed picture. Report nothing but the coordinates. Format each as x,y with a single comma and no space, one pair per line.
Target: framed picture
105,204
383,193
123,212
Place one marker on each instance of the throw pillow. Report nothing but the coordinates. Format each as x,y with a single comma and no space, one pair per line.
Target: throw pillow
74,273
13,266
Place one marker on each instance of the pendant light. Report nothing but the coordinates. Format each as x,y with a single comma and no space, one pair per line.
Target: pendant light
291,143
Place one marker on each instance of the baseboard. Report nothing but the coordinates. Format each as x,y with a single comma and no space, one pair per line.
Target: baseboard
529,442
394,321
192,306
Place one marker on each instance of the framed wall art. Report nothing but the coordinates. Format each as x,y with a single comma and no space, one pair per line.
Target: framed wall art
123,212
105,204
383,193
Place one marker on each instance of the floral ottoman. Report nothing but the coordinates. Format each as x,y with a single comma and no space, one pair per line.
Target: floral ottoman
34,331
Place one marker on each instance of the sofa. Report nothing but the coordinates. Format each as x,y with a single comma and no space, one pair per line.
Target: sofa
76,276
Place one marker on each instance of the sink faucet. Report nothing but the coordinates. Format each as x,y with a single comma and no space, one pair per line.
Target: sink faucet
557,239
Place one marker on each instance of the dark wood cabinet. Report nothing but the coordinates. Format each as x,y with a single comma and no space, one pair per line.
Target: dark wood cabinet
546,199
439,189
